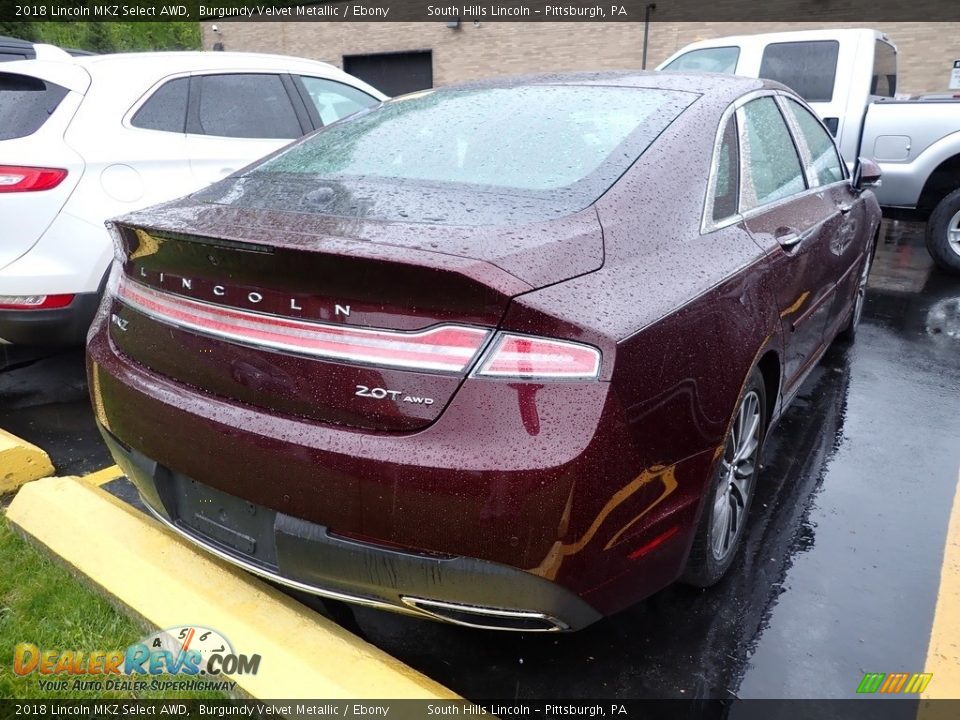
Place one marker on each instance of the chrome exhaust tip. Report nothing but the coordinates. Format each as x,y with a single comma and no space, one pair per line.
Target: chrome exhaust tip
486,618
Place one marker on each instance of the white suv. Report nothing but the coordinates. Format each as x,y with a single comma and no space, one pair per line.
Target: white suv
84,139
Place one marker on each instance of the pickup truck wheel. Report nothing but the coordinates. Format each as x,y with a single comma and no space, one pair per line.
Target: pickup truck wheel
943,233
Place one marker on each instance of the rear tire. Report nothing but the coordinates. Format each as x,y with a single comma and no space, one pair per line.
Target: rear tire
730,490
943,233
849,332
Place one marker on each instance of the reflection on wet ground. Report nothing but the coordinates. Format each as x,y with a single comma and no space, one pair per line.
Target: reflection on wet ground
902,263
841,566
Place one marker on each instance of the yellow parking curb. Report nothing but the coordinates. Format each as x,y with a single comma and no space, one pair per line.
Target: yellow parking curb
943,654
167,582
20,462
102,477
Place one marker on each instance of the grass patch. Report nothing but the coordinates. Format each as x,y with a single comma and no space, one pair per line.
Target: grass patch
43,604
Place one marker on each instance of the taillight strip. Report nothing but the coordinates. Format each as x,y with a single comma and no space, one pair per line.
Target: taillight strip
18,178
34,302
520,356
449,348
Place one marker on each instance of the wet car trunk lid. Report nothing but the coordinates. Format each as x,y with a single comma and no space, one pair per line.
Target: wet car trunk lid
338,329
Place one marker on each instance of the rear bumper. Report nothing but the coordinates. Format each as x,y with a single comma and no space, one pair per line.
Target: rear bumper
62,326
308,557
534,495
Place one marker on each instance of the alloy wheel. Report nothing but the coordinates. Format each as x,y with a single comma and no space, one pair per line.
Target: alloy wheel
862,292
737,470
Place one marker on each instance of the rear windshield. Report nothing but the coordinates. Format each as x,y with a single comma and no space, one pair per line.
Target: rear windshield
25,104
884,80
809,68
560,146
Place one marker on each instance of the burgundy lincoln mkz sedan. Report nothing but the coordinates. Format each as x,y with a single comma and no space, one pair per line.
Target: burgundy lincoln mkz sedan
503,355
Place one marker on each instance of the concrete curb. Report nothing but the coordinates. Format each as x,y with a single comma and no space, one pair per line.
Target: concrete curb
163,579
943,654
20,462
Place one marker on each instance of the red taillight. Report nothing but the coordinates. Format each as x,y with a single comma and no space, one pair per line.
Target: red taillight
520,356
34,302
16,178
448,348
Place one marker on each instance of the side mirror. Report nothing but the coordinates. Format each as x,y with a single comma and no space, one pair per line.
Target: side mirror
866,174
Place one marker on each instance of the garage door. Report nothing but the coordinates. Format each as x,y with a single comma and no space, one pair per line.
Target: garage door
393,73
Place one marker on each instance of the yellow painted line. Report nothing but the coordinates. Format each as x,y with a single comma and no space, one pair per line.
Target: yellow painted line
20,462
943,653
167,582
102,477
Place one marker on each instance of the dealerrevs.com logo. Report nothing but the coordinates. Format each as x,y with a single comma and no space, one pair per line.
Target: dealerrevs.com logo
189,656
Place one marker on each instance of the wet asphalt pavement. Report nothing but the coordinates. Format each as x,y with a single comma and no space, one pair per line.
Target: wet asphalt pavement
841,567
44,399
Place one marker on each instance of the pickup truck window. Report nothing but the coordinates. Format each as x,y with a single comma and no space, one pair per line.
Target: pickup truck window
770,166
715,59
884,80
824,165
808,68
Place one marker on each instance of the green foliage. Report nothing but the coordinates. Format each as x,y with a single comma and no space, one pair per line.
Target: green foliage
22,30
106,37
42,603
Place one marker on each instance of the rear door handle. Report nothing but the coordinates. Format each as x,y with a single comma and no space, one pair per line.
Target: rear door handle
787,237
845,209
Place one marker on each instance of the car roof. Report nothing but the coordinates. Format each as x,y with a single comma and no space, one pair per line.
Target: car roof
150,67
66,74
752,46
30,48
767,38
721,87
7,41
179,61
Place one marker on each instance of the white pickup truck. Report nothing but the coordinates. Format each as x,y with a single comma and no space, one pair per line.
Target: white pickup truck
850,78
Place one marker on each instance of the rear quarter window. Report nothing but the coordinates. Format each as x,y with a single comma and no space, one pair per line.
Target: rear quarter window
726,191
25,104
166,109
334,100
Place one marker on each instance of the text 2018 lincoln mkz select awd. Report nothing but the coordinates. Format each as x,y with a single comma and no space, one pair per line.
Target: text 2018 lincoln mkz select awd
503,354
